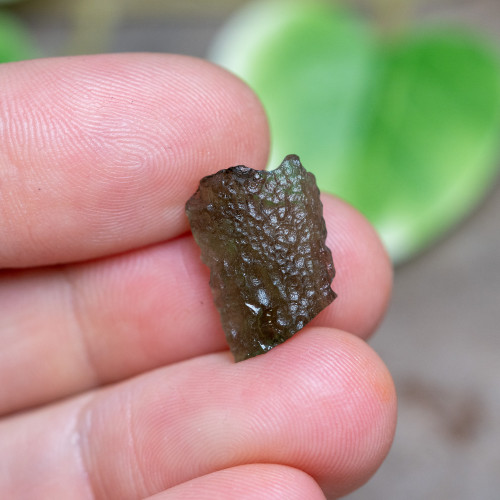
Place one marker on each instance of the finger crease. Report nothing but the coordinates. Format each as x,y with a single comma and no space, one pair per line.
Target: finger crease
92,445
80,328
82,432
139,477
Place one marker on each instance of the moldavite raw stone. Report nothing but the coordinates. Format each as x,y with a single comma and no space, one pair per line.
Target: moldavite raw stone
262,234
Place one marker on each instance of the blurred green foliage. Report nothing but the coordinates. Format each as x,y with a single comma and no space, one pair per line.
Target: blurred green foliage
15,41
404,126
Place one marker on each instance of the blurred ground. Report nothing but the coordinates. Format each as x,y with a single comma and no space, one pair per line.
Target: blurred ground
440,337
440,341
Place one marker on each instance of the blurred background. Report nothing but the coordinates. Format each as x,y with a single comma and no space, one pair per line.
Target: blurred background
440,336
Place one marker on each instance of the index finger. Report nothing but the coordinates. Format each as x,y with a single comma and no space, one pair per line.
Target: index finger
98,154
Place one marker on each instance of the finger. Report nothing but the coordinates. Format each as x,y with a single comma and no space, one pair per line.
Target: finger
247,482
99,154
107,320
323,403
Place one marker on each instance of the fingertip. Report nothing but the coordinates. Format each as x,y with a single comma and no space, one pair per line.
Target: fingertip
100,153
351,429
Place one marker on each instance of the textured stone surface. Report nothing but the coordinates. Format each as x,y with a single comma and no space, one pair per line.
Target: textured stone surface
262,234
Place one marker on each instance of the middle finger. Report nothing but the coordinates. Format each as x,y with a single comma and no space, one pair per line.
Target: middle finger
70,328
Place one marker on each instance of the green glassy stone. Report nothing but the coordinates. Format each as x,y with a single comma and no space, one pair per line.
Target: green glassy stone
262,234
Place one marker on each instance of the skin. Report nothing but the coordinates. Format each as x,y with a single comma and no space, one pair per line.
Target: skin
116,379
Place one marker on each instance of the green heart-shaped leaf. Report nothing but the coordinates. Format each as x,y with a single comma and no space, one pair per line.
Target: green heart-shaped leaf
406,130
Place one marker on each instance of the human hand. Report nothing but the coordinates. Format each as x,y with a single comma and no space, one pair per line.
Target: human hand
115,378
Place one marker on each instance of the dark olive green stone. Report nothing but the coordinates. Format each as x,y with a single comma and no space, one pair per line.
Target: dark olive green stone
262,234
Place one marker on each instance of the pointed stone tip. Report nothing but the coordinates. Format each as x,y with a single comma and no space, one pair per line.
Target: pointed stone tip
292,158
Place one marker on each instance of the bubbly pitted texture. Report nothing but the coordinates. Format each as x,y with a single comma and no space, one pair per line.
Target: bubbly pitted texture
262,234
